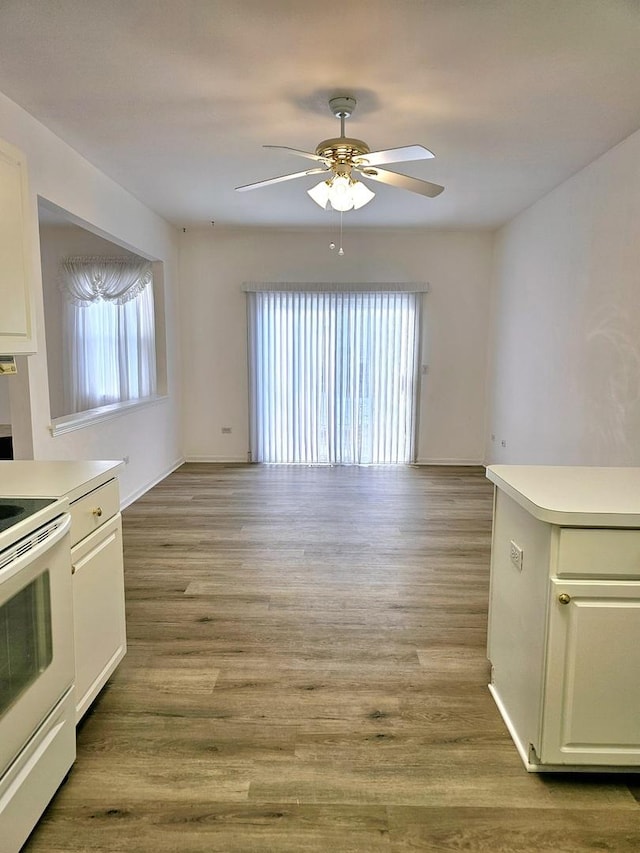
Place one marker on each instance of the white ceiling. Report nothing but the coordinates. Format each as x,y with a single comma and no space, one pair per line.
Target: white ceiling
174,98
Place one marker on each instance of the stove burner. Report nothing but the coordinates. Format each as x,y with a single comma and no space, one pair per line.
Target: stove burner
14,510
9,510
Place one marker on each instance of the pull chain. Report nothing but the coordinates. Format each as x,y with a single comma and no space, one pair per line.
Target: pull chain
332,245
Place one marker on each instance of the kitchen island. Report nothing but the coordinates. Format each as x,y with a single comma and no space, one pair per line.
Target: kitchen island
564,615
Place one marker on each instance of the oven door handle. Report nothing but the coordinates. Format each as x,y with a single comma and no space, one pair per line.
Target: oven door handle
37,551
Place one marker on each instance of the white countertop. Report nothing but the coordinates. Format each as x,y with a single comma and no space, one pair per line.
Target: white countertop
573,496
34,479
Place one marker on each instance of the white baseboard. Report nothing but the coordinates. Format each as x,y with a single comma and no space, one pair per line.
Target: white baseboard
219,459
154,482
238,459
469,462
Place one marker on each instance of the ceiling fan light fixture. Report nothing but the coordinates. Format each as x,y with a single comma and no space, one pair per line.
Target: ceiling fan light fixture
340,193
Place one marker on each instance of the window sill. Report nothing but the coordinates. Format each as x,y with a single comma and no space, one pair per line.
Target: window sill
80,420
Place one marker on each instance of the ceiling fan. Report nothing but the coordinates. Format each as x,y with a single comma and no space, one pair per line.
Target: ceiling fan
341,158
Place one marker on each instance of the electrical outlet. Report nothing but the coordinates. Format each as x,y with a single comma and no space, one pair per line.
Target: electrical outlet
125,459
226,430
503,443
516,555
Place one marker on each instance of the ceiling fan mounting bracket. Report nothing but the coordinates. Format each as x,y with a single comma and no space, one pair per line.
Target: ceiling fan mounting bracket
342,106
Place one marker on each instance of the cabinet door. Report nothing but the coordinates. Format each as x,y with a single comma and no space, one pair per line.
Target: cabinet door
98,610
591,709
16,326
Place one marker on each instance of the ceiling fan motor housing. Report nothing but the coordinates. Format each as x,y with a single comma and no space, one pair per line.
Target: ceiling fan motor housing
342,151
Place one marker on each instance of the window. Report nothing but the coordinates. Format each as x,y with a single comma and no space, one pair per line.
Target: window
109,332
333,376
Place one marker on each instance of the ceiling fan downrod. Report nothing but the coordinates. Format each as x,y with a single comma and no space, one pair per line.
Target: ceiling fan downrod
342,150
342,107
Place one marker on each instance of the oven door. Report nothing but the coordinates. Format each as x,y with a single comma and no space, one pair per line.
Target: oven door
36,633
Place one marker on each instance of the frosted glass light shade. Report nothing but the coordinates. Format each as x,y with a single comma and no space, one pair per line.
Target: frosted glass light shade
361,194
320,194
340,193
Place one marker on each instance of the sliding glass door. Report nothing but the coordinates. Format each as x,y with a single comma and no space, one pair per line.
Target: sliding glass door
333,376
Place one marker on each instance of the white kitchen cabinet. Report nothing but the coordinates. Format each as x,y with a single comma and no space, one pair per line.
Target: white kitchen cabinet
592,683
564,626
16,260
98,591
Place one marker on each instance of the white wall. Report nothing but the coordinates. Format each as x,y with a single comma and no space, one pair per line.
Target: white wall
60,175
565,368
214,263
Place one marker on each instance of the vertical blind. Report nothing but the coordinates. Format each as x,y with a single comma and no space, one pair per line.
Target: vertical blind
333,376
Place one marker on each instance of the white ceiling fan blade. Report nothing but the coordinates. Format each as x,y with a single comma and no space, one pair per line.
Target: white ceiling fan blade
402,181
298,153
396,155
278,180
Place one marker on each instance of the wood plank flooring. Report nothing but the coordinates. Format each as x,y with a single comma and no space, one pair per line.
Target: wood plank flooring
307,672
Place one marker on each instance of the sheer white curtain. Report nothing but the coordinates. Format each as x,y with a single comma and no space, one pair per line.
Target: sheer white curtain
109,331
333,376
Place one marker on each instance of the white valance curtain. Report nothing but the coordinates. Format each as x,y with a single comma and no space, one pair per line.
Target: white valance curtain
333,375
109,331
86,280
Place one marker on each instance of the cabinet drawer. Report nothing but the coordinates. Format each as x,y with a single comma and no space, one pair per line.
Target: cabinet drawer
599,553
93,509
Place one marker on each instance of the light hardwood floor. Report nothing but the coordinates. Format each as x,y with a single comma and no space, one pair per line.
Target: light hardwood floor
306,672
